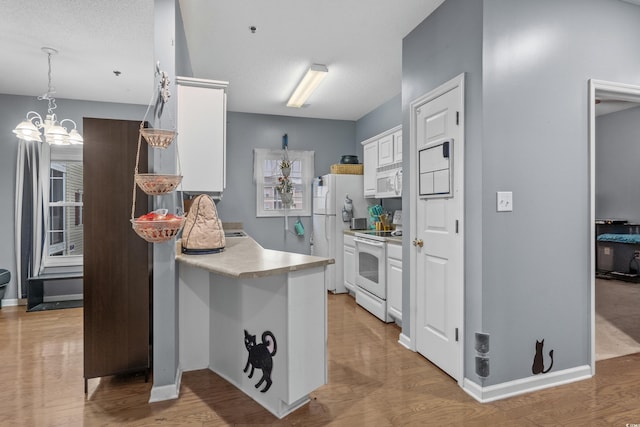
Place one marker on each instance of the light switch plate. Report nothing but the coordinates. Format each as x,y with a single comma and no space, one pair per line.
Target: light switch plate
505,201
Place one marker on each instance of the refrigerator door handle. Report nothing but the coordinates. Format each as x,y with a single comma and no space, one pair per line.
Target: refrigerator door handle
326,197
326,236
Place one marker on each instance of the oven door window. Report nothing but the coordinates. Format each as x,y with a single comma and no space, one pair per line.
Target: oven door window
368,266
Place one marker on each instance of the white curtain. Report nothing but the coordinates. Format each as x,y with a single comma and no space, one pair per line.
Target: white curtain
32,181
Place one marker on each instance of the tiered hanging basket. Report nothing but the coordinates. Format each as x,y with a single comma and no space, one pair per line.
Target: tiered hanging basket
156,185
165,227
158,138
158,230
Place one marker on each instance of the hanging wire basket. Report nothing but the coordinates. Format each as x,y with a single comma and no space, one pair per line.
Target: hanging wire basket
155,185
159,225
157,230
159,138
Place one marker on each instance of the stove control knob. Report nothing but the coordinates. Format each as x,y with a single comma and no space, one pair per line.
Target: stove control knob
418,242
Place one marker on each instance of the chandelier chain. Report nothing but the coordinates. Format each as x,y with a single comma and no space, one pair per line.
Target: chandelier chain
50,90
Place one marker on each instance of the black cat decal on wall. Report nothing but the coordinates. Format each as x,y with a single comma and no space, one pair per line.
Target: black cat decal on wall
260,356
538,360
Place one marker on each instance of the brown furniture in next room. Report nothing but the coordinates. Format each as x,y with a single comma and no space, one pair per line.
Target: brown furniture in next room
117,263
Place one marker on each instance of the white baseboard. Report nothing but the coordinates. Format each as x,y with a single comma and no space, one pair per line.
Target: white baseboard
9,302
405,341
167,392
525,385
57,298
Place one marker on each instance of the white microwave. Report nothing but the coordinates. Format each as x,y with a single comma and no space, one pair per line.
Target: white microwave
389,181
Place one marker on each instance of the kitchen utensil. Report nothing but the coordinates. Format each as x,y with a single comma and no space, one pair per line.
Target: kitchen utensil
384,219
347,209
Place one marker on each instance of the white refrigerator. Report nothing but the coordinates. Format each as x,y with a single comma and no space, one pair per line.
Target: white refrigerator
329,194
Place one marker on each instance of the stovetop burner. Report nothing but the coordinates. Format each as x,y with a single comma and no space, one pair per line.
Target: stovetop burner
375,234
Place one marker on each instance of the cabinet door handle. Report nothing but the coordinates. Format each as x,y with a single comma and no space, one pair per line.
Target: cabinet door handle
418,242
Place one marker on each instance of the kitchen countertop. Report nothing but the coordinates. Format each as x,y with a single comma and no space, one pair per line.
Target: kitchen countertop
243,257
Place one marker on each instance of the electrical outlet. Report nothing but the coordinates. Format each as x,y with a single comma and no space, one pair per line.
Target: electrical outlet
482,343
482,366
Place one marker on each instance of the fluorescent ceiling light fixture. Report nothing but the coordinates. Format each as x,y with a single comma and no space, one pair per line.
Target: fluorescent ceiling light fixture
309,83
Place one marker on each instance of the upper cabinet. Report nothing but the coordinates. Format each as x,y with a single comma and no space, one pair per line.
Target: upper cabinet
202,124
397,146
383,164
390,148
370,165
385,150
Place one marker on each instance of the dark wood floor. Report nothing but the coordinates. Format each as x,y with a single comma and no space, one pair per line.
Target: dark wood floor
373,381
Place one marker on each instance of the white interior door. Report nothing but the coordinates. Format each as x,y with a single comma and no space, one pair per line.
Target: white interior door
439,263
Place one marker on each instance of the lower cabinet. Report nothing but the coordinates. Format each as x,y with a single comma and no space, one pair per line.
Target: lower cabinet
394,281
349,263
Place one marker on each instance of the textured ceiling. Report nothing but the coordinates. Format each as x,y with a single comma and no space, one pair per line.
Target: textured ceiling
360,41
93,38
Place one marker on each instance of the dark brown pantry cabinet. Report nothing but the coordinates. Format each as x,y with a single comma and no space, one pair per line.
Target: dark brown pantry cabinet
117,263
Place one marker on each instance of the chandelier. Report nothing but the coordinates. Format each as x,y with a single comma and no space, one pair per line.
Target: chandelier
54,133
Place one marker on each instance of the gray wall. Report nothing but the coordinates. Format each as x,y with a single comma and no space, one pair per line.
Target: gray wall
527,275
384,117
446,44
330,139
617,171
13,110
538,58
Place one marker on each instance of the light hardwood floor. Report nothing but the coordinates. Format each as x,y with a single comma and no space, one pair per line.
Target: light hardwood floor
373,381
617,318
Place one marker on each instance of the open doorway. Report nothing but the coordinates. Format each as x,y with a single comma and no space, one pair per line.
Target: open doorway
614,126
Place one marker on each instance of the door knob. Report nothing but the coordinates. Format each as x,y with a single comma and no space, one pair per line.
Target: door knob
418,242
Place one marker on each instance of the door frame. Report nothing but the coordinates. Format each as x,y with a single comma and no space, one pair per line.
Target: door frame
457,81
613,91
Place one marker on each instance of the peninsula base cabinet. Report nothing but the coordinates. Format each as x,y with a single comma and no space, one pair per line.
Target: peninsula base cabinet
265,335
394,281
349,263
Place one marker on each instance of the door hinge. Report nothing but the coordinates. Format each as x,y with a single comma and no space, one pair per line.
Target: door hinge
457,226
457,117
456,334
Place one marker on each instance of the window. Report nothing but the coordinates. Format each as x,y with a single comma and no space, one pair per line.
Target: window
64,226
267,171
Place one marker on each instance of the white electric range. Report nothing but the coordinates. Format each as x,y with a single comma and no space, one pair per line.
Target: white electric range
371,272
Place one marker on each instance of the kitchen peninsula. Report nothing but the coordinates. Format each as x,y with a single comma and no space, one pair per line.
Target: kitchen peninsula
256,317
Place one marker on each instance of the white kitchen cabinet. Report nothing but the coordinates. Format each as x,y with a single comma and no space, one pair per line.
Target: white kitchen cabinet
201,126
385,150
349,263
370,167
394,281
397,146
390,147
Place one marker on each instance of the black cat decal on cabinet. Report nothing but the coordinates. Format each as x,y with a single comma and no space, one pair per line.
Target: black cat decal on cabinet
538,360
260,356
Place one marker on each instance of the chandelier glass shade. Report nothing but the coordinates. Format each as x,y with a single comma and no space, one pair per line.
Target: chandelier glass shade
33,128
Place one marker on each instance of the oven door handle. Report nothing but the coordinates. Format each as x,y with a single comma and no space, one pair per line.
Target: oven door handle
369,242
